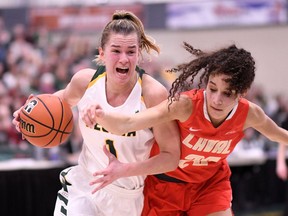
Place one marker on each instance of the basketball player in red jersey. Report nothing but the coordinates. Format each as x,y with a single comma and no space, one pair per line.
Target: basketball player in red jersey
212,121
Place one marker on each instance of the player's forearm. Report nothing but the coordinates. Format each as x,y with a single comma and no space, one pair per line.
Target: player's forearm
115,123
66,98
161,163
59,93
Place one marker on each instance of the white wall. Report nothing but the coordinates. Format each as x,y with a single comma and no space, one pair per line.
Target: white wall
268,45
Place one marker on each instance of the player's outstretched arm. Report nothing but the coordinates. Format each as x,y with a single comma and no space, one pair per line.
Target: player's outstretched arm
118,123
261,122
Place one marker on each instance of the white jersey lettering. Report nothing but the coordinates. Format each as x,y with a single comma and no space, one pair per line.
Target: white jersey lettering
208,145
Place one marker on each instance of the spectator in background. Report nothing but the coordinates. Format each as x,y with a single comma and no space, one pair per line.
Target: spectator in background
281,164
5,116
281,167
36,62
4,40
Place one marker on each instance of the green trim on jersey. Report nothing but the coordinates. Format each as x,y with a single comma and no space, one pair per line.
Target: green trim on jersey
100,70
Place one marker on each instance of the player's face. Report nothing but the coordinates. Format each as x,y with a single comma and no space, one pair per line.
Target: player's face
220,100
120,55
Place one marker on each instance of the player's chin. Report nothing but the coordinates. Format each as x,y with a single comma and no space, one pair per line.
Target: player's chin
122,76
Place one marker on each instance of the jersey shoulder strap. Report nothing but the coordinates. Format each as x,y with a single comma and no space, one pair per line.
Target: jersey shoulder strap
100,70
140,71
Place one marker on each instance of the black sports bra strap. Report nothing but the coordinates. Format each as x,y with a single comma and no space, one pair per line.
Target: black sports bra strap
167,178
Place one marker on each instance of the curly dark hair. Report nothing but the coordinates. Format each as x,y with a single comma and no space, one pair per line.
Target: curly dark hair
237,63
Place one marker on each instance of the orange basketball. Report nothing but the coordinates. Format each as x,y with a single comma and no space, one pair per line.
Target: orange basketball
46,121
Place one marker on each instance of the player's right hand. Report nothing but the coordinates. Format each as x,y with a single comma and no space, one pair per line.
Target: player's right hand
112,172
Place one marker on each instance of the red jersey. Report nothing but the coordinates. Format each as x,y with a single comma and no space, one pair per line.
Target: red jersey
204,148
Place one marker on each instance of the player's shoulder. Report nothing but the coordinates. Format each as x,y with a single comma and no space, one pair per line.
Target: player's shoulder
82,77
254,109
153,91
255,114
85,73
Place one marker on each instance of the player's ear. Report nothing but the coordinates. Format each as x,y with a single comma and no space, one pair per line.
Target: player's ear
101,53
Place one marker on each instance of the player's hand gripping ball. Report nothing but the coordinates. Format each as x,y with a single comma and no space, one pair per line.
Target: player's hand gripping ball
46,121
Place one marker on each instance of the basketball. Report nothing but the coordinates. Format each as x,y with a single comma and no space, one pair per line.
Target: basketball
46,121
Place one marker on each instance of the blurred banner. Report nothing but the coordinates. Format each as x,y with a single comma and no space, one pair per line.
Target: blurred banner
77,18
193,14
203,14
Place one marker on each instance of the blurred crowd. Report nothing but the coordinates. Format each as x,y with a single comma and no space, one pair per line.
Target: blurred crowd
34,61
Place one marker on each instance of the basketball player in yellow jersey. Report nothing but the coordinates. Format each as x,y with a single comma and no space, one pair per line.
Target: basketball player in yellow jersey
120,86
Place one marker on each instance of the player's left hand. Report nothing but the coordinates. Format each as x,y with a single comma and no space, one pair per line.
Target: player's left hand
104,177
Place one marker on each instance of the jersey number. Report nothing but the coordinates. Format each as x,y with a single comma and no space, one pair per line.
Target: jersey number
197,160
111,148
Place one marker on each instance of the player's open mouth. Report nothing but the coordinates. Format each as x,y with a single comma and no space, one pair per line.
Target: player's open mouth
122,70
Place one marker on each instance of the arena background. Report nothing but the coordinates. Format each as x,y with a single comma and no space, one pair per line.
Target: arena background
260,26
